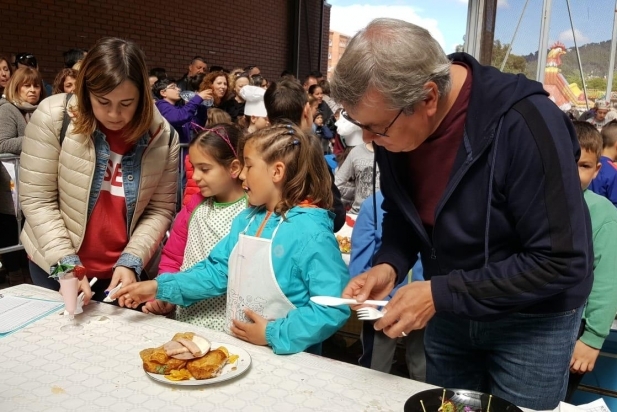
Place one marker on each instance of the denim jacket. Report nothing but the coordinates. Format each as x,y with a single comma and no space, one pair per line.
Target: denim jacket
131,173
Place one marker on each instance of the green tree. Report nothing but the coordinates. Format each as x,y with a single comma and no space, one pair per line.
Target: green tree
598,83
514,64
573,78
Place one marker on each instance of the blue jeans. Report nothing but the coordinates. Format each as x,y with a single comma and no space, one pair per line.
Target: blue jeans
523,358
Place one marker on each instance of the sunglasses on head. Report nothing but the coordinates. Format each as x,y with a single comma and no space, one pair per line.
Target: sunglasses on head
26,59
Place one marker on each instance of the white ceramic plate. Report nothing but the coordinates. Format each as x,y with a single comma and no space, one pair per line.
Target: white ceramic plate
230,371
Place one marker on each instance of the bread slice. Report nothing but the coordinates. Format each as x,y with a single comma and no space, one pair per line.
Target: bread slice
208,366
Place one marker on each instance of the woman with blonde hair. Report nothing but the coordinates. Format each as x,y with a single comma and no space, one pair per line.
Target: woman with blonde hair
217,82
65,81
98,173
22,94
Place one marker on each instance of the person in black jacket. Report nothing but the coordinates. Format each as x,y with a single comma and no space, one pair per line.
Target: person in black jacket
198,65
478,171
286,101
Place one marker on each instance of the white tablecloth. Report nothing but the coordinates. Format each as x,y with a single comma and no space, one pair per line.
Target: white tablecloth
98,368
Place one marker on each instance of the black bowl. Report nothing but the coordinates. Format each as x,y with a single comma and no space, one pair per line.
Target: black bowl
461,398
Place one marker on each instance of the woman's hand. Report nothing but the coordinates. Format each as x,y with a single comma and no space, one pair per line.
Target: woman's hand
251,332
158,307
83,286
206,94
135,294
124,275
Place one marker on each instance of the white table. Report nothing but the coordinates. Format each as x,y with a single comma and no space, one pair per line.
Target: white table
98,368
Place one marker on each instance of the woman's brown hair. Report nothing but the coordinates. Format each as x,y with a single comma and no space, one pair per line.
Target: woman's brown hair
209,81
109,63
25,75
306,173
58,86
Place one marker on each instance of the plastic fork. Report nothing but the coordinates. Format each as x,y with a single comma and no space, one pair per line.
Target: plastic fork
369,313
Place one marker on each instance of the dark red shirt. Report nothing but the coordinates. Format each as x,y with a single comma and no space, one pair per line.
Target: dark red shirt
430,165
106,231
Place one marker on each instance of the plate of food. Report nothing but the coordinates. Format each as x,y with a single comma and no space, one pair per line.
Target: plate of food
344,243
192,360
457,400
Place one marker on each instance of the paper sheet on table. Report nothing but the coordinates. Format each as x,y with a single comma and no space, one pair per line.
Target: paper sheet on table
596,406
15,312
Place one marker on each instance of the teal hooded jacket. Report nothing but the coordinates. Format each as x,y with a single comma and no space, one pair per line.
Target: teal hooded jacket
306,261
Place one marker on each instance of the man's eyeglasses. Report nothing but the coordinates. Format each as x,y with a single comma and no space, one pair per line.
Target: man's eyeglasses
173,86
367,128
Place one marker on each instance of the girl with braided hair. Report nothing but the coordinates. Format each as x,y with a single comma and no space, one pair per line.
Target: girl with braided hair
279,252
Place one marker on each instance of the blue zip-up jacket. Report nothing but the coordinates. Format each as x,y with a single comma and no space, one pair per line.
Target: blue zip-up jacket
605,183
306,261
529,251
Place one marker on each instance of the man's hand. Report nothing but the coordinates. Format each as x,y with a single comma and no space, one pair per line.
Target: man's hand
158,307
584,358
251,332
376,283
410,308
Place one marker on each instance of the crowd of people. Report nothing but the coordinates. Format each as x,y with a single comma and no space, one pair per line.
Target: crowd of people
483,214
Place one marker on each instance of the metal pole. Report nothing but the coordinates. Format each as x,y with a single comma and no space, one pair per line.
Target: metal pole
505,59
611,66
321,24
299,34
578,55
543,46
475,13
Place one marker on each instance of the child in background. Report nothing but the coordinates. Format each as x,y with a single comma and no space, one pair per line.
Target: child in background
605,183
205,219
215,116
168,94
255,114
601,305
354,178
323,132
350,136
377,348
279,253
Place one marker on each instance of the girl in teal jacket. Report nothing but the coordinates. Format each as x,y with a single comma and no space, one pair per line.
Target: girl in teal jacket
278,254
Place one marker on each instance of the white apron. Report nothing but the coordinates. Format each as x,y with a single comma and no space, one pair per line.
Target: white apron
251,281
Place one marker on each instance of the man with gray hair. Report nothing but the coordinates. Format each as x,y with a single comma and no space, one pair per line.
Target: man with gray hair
478,170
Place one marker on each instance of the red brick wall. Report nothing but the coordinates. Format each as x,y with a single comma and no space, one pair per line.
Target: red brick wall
231,33
310,20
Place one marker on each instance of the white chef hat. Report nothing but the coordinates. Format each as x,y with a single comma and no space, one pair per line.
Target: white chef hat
254,97
349,132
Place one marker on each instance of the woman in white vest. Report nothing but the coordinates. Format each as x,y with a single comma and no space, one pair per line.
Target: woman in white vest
98,173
